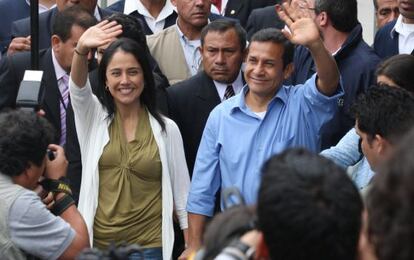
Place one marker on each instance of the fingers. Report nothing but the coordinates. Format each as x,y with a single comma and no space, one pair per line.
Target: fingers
19,44
281,11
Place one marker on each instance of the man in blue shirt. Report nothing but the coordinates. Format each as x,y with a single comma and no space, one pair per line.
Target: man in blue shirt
265,118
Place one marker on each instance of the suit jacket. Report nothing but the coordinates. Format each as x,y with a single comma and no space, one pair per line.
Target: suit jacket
119,7
239,9
263,18
385,44
11,74
166,49
21,28
190,103
10,11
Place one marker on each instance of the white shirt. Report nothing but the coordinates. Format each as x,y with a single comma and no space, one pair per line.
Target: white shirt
237,86
405,36
191,52
215,10
156,24
42,8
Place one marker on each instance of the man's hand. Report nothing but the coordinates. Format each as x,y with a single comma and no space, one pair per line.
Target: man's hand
57,167
19,44
298,19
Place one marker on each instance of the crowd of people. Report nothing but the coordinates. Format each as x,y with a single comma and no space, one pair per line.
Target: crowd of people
208,129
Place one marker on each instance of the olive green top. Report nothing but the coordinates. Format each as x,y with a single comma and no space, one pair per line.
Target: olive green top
130,203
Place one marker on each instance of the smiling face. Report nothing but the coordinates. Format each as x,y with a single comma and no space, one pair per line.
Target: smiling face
264,71
222,55
124,79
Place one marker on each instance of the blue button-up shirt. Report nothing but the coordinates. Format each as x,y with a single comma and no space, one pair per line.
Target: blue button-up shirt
236,141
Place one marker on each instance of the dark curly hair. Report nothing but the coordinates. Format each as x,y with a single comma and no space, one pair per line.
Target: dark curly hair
24,139
390,205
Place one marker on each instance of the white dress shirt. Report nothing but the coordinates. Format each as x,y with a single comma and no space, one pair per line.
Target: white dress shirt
405,36
156,24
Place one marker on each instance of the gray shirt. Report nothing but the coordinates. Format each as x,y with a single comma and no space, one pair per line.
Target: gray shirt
35,230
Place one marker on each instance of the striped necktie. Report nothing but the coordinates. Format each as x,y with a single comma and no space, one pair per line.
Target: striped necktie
64,92
229,92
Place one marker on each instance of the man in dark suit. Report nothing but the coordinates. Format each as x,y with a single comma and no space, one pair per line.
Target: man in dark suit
21,28
223,44
397,37
55,63
240,9
162,13
262,18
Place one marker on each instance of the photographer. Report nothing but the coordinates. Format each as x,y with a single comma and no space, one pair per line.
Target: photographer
27,227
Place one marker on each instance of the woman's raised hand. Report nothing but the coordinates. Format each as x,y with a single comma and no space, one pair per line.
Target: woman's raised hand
98,35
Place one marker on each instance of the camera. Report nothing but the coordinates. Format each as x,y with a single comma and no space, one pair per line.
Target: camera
30,95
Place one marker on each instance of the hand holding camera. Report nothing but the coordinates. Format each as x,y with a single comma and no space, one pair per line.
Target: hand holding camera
56,167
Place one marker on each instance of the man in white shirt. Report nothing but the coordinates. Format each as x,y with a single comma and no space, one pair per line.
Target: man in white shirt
397,37
154,15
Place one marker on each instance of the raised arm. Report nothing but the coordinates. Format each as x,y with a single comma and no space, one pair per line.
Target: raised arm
100,34
304,31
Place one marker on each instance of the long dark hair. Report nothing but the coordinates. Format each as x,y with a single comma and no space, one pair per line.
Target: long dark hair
147,97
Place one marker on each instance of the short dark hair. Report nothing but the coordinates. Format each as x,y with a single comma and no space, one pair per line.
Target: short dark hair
147,97
24,139
131,27
223,25
386,111
66,19
390,204
308,208
342,13
276,36
400,69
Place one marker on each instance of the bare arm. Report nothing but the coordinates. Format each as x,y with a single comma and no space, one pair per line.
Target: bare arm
196,224
100,34
54,170
305,32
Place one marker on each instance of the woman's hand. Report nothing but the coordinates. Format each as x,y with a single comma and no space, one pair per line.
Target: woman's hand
100,34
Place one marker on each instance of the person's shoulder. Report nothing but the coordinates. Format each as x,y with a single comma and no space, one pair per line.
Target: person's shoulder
187,86
385,31
162,34
264,11
116,7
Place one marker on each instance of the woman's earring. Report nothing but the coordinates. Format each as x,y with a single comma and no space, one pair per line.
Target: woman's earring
106,88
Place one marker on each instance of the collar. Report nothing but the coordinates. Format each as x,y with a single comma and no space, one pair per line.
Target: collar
240,102
354,37
181,34
237,83
42,8
97,14
399,27
136,5
59,71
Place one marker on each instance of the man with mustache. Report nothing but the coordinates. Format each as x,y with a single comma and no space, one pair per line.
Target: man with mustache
223,44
